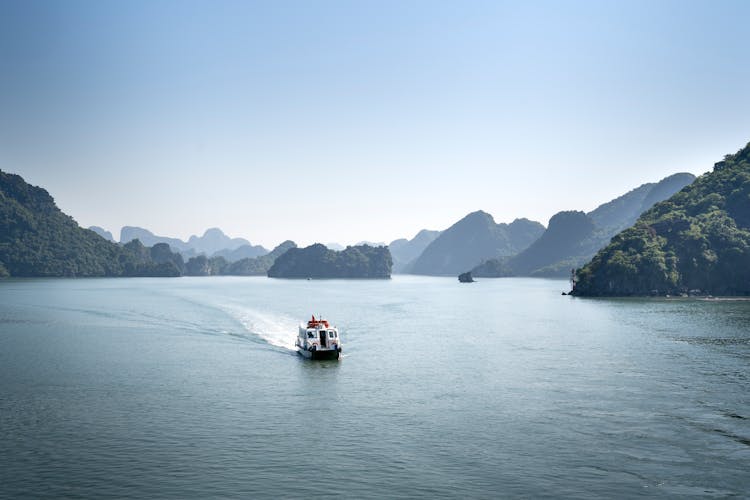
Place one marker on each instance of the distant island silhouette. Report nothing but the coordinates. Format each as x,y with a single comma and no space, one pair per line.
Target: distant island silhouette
318,261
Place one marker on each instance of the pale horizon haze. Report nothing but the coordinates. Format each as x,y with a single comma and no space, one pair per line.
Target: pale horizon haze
342,121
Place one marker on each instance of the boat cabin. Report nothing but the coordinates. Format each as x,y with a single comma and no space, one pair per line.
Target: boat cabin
318,339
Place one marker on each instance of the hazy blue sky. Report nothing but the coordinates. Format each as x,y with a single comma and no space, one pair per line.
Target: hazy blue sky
342,121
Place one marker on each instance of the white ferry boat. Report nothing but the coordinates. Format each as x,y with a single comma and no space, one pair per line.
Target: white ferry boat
318,340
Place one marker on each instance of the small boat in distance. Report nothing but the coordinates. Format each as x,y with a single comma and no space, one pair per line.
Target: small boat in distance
318,340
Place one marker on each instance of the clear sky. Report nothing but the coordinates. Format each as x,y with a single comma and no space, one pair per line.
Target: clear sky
351,120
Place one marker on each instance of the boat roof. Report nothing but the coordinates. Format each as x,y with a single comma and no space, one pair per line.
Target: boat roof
318,323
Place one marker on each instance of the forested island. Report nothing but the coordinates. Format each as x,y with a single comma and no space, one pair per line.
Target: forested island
696,242
317,261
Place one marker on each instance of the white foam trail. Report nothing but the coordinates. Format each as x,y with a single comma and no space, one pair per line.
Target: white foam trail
277,330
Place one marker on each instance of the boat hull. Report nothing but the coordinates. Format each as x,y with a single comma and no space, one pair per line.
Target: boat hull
319,355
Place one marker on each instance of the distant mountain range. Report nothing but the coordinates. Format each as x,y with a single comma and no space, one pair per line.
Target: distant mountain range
405,252
213,243
473,239
695,242
573,237
130,233
37,239
242,252
248,266
102,232
623,211
476,242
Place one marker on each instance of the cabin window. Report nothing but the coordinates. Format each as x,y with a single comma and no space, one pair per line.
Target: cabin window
330,335
310,335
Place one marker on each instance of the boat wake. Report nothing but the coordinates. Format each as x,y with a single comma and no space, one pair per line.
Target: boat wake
276,330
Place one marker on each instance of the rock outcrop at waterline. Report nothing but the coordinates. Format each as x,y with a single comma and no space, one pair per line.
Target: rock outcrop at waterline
465,278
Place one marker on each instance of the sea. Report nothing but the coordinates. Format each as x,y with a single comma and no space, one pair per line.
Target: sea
503,388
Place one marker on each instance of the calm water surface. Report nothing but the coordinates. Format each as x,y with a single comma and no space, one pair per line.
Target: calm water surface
189,388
